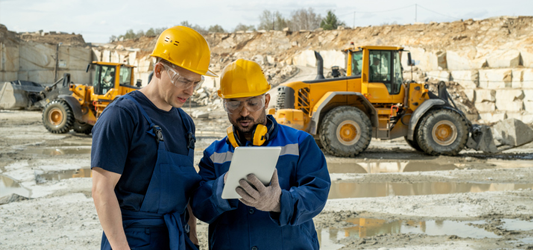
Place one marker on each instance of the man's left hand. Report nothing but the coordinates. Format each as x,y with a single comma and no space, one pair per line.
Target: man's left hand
258,196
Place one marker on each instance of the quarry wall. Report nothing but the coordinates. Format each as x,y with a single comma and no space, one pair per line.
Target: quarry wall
490,60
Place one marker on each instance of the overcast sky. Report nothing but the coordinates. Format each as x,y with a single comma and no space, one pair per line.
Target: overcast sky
97,20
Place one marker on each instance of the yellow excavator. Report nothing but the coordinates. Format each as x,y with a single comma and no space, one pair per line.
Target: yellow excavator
373,100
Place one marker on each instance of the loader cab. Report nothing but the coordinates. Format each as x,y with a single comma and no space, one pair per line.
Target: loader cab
380,70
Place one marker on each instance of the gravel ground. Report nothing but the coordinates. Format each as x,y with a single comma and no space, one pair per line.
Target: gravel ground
497,200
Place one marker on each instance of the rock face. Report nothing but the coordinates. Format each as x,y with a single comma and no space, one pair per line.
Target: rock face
478,57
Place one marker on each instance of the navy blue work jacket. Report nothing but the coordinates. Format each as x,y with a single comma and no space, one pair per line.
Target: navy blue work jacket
304,180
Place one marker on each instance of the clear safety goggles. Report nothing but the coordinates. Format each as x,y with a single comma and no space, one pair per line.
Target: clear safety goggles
252,105
179,81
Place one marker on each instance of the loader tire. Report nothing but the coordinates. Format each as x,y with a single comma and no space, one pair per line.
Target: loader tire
413,144
442,132
345,131
58,117
82,127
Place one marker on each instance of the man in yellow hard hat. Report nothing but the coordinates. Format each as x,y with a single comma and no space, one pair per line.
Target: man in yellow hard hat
143,148
275,216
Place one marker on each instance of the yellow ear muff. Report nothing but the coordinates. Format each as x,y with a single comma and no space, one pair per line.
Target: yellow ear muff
231,137
260,135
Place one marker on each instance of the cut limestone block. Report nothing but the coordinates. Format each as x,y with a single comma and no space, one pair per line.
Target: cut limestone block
426,60
510,94
518,78
485,106
507,105
495,78
491,117
527,79
464,59
504,59
439,75
527,56
485,95
523,116
512,132
470,94
106,55
510,100
466,78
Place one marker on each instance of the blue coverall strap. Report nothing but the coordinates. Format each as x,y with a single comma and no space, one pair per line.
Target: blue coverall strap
155,130
178,237
187,123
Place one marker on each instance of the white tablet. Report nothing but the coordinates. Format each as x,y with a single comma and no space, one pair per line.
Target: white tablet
260,161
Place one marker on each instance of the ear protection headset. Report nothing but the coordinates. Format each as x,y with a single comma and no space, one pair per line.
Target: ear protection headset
260,135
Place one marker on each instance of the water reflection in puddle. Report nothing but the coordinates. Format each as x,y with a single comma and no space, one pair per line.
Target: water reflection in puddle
367,227
9,186
418,166
340,190
61,175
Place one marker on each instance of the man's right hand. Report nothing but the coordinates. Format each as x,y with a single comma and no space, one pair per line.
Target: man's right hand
107,207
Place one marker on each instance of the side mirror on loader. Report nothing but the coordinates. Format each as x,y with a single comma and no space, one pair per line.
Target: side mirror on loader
139,83
409,60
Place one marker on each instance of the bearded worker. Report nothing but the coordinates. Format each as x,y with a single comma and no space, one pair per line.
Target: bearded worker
275,216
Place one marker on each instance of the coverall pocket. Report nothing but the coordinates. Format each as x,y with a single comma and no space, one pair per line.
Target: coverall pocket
137,238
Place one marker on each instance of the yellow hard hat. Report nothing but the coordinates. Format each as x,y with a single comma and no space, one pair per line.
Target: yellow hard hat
242,78
184,47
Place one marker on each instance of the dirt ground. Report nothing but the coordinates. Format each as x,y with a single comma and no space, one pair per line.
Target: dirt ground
389,197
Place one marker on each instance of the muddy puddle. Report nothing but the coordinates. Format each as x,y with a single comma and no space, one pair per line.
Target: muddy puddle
368,227
341,190
9,186
58,151
41,177
418,166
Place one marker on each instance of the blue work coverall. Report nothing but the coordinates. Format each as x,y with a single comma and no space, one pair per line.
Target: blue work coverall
303,178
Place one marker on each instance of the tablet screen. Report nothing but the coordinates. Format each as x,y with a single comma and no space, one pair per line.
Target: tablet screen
260,161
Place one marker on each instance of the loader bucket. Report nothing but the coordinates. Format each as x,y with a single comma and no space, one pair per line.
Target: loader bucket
512,133
19,94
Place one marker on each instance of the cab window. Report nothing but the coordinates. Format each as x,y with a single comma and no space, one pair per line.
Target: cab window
125,75
104,78
385,67
357,63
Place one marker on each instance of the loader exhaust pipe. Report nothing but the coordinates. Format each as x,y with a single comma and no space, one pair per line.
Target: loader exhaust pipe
319,66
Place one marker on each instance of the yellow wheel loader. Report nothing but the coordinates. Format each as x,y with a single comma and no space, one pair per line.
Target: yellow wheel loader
67,105
373,100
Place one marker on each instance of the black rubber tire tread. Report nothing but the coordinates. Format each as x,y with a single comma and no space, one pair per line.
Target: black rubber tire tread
413,143
67,122
425,139
328,130
82,127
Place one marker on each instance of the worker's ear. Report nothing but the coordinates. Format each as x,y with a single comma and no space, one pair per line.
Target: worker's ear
158,69
267,100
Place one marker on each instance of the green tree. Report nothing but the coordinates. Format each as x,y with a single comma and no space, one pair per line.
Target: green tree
331,22
150,32
216,28
112,38
129,34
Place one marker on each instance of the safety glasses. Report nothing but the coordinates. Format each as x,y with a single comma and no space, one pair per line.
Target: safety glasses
179,81
252,105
